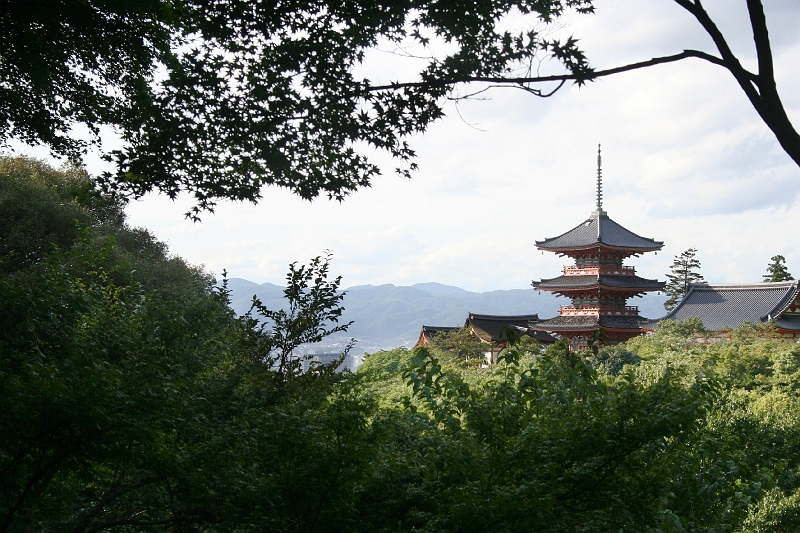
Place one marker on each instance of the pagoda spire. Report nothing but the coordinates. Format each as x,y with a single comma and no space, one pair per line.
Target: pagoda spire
599,210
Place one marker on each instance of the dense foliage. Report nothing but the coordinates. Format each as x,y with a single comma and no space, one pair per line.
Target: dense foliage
690,432
133,399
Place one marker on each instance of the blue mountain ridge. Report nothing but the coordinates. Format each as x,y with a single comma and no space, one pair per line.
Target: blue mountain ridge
388,316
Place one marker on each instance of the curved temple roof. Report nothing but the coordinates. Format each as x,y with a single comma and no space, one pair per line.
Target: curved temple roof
599,229
438,329
723,306
488,327
615,282
566,323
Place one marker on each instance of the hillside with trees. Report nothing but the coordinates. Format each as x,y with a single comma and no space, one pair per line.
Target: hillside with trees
664,433
132,398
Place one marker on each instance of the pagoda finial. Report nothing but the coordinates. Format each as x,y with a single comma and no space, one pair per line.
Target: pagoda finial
599,210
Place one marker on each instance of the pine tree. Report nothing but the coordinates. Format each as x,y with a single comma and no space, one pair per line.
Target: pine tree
776,270
685,270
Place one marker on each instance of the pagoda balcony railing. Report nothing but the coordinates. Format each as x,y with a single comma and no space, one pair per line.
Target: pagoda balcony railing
585,310
604,270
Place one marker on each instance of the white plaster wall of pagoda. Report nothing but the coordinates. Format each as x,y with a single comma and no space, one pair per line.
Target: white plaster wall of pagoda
686,161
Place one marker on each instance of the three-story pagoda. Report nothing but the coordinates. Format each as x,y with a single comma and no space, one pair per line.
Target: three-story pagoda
598,284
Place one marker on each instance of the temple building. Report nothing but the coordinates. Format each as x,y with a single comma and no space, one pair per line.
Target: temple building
488,329
598,284
722,307
428,333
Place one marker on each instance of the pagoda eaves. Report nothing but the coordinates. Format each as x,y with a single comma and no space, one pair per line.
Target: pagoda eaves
598,284
599,232
630,284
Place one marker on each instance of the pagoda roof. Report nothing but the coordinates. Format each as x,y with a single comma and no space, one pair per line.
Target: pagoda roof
599,229
488,327
594,280
566,323
725,306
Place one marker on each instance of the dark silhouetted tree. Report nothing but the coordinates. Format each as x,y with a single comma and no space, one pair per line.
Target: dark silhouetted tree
223,98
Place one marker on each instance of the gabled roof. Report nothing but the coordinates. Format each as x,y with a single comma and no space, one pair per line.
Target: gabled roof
429,332
593,280
724,306
435,330
488,327
599,229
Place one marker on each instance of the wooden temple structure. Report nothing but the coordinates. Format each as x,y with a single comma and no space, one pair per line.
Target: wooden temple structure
489,330
723,307
428,333
598,284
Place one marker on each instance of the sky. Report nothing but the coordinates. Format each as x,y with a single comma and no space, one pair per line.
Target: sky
686,160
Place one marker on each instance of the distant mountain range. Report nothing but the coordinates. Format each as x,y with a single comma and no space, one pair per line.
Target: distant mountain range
388,316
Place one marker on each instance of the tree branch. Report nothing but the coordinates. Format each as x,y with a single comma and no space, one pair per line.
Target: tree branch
745,78
579,78
758,21
760,89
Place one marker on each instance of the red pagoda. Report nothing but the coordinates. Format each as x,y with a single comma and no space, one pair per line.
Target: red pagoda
598,284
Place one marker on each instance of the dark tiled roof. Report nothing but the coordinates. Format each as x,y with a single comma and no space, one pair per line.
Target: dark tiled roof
621,322
727,306
631,281
488,327
567,282
435,330
561,323
429,332
599,229
576,282
648,323
541,336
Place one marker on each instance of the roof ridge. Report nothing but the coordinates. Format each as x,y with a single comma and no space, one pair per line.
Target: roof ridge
785,302
600,227
608,232
759,285
527,315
